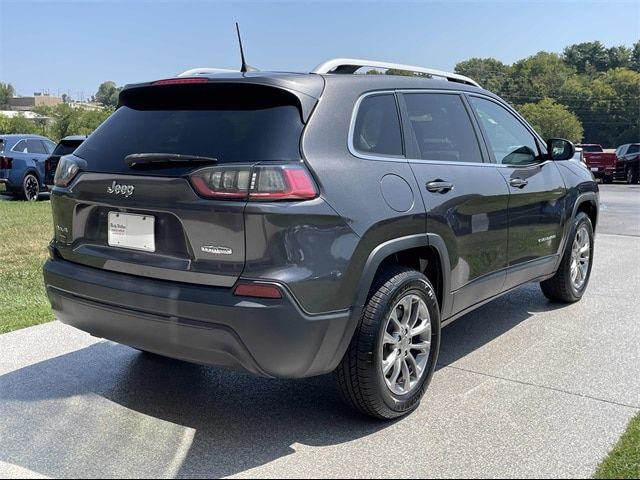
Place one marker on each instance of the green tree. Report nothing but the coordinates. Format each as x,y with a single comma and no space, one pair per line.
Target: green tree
634,60
534,78
21,124
488,72
6,92
4,124
581,56
107,94
614,114
551,119
66,120
618,57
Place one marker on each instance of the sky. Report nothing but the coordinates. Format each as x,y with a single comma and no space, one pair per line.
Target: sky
73,46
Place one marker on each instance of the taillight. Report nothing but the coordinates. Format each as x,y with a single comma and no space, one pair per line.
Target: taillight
67,169
5,162
259,183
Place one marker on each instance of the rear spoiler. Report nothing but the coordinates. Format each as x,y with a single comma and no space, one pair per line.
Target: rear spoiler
175,91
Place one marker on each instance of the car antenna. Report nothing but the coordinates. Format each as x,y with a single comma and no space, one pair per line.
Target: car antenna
244,68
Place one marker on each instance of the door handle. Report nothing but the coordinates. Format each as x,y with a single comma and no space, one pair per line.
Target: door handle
439,186
519,182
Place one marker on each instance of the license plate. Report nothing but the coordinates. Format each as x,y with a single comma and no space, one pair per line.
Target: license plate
128,230
594,169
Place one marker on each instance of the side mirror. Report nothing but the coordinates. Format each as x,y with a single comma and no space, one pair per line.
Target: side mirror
560,149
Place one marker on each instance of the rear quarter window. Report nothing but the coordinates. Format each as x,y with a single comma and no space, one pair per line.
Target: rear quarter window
376,130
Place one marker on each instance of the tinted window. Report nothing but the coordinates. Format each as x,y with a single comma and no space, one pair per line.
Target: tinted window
442,127
66,147
35,146
633,149
377,128
509,140
592,148
231,124
21,147
49,146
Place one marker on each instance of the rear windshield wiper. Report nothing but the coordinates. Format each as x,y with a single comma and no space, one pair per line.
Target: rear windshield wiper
141,159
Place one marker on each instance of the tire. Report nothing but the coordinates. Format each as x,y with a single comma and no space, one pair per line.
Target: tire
30,188
632,175
562,287
360,376
607,179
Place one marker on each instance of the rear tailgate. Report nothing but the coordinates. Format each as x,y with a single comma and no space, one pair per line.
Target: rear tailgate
149,221
600,161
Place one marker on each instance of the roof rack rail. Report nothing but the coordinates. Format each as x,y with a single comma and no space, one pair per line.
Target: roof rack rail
351,65
194,72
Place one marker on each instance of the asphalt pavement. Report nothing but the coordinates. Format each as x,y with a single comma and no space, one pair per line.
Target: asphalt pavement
524,388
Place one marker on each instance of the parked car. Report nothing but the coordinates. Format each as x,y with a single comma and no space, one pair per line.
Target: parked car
22,164
601,163
293,225
66,146
578,156
628,162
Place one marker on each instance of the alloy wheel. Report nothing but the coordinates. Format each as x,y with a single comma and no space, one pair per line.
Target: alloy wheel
580,257
406,344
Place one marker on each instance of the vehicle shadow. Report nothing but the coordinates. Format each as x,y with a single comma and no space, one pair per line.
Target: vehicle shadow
487,323
110,411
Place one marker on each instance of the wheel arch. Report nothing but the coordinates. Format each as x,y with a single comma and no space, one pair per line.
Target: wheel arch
587,203
426,253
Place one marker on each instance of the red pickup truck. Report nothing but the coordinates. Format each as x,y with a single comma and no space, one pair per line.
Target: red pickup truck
601,163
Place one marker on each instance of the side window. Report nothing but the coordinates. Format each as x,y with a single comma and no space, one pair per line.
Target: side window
509,140
35,146
21,147
442,127
633,149
49,146
377,127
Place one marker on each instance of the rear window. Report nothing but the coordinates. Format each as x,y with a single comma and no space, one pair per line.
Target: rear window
592,149
66,147
233,123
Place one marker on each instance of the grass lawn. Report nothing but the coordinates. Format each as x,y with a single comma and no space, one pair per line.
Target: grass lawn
624,460
25,231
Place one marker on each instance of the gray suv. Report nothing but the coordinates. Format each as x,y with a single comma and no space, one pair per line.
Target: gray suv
293,225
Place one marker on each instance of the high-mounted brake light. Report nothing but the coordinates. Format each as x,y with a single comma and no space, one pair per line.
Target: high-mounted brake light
173,81
5,163
259,183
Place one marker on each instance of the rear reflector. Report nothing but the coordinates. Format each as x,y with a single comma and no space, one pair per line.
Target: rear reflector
259,183
258,290
5,162
174,81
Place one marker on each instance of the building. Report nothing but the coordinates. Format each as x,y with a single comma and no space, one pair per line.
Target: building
29,103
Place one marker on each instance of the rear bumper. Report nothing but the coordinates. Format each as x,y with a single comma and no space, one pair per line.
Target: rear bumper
208,325
600,172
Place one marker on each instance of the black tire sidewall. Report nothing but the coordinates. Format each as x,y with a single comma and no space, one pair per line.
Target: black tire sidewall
418,285
24,187
580,219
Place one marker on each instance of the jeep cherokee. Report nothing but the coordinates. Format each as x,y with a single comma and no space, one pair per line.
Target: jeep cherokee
293,225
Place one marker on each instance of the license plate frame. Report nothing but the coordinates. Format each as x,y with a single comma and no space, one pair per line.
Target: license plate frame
131,231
